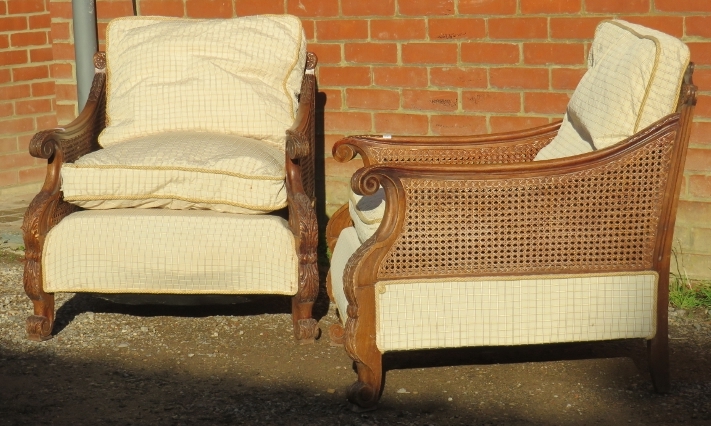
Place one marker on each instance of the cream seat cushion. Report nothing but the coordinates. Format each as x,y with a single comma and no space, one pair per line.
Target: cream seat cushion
366,212
494,311
236,76
170,251
180,170
633,79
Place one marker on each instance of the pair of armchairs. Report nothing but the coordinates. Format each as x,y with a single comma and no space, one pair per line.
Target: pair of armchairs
560,233
189,171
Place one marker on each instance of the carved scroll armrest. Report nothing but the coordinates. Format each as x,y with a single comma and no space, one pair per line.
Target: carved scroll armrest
512,147
601,211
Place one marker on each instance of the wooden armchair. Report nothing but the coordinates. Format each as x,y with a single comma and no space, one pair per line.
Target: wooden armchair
199,229
481,245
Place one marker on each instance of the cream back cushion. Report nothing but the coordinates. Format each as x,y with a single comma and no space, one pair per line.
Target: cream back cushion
234,76
633,79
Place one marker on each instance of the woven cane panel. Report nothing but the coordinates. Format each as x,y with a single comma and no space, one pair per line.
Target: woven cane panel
602,218
515,311
167,251
484,155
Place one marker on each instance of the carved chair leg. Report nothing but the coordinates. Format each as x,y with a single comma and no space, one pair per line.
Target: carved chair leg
39,325
658,348
365,392
306,328
337,334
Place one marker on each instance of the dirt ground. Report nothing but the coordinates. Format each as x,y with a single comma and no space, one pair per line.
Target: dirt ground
120,364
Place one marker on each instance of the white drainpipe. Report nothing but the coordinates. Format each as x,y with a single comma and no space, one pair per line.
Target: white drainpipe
85,45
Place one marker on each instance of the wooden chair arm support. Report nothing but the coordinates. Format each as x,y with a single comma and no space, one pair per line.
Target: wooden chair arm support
525,218
511,147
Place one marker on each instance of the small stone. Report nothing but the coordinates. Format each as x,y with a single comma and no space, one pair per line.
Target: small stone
144,329
191,355
402,390
123,345
681,312
449,399
331,391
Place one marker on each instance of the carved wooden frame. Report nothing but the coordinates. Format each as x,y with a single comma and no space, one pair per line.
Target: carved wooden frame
80,137
496,158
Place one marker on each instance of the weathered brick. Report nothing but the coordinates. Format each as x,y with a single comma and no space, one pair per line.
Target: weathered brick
429,53
487,7
458,77
545,102
18,7
377,99
349,29
8,144
347,121
700,133
316,8
457,125
553,53
490,53
43,88
327,53
698,26
6,110
550,6
456,28
62,71
344,76
15,91
519,78
518,28
682,5
33,106
400,76
430,100
13,23
698,160
13,57
616,6
512,123
170,7
368,7
575,28
383,53
397,29
41,54
30,73
700,186
401,124
33,174
343,170
60,31
426,8
21,159
329,99
208,8
42,21
566,78
490,101
8,178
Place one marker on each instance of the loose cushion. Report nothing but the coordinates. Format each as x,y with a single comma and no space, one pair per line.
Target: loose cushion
169,251
633,79
366,212
180,170
235,76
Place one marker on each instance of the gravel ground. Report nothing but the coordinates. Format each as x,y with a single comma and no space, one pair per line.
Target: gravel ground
114,363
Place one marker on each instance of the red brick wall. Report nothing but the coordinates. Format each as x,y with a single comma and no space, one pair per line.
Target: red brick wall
440,67
26,89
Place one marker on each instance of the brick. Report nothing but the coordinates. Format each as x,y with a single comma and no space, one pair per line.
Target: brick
63,51
4,41
458,125
327,53
693,212
13,23
23,142
397,29
575,28
18,7
519,78
251,7
512,123
60,31
700,186
312,7
329,141
60,10
430,100
700,133
545,102
66,92
66,113
344,76
5,76
698,26
30,73
378,99
487,7
329,99
347,121
336,193
13,57
703,106
168,7
309,29
487,101
115,9
6,110
44,88
550,6
553,53
383,53
349,29
35,174
458,77
617,6
518,28
101,29
426,8
344,170
673,25
698,160
429,53
62,71
21,159
401,124
15,91
46,121
33,106
490,53
682,5
566,78
209,8
42,54
368,7
456,28
3,8
400,76
8,178
42,21
8,144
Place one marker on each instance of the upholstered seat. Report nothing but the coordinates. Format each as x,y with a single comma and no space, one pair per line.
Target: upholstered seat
560,233
190,170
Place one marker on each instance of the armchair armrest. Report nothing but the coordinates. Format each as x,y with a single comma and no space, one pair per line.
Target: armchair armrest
510,147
